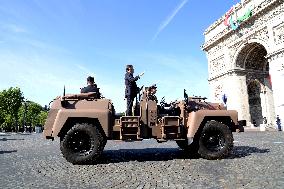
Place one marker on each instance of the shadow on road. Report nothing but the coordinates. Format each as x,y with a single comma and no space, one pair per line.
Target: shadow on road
24,133
142,155
4,135
243,151
5,152
5,139
166,154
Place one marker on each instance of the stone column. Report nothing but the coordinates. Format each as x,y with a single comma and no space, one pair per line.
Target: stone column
236,88
269,103
276,63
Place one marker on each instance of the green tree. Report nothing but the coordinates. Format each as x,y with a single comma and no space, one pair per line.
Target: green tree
2,114
42,118
32,112
8,122
21,113
10,102
2,118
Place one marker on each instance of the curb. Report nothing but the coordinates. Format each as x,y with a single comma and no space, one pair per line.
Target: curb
257,129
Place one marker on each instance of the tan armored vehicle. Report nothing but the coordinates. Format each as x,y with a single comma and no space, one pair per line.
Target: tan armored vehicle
85,125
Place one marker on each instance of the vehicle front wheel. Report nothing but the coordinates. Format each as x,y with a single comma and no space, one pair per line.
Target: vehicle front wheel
216,141
82,144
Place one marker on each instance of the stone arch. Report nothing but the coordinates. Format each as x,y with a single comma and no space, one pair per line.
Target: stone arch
246,46
251,60
252,56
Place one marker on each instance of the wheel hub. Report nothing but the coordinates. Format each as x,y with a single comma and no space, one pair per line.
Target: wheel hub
80,142
214,141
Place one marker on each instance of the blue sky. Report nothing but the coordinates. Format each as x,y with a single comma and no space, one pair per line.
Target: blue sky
45,45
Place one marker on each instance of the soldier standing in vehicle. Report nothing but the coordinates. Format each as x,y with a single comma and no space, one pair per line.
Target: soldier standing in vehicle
151,93
131,88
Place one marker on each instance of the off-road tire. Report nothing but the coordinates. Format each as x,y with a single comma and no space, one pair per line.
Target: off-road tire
215,141
83,144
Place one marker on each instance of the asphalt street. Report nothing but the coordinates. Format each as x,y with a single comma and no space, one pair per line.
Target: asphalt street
30,161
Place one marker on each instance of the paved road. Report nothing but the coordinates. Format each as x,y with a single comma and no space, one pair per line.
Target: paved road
29,161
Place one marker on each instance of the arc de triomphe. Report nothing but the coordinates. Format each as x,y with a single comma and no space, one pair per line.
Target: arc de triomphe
245,52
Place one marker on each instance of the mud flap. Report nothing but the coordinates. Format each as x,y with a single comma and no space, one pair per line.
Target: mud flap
189,140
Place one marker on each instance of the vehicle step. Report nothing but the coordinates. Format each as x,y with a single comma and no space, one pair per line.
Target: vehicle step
129,126
129,121
161,140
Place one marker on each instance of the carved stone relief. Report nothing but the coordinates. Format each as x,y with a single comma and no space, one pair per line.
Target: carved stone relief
215,50
217,66
218,92
276,55
282,67
278,32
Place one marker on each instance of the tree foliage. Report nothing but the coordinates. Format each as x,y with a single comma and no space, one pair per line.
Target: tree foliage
32,114
10,103
15,112
33,110
8,122
2,117
11,100
42,117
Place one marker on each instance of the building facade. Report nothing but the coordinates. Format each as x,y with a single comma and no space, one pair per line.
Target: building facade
245,52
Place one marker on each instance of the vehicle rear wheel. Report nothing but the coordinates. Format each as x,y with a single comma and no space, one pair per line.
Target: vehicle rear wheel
216,140
82,144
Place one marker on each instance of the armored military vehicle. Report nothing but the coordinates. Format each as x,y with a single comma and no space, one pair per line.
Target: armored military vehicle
85,124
